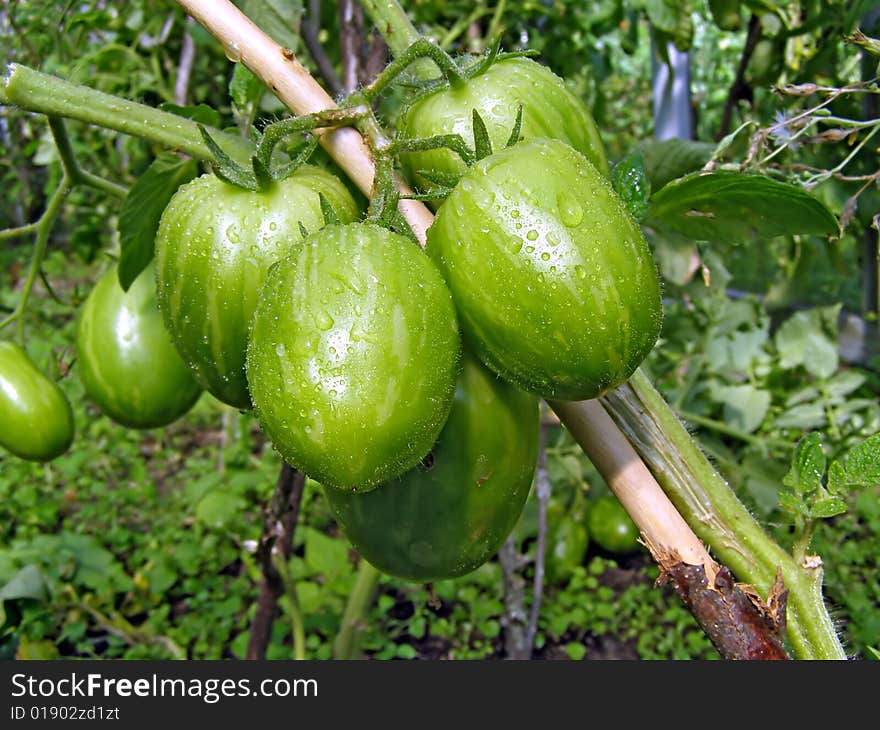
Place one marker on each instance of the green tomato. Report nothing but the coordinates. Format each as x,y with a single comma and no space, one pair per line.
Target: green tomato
36,420
353,355
555,285
550,109
127,363
213,247
568,541
449,515
610,527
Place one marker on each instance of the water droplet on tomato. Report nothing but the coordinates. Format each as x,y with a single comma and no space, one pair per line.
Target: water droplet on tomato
570,211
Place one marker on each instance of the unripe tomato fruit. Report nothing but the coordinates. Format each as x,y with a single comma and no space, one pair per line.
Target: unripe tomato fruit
610,527
567,542
36,420
550,109
126,361
555,285
353,355
213,247
449,515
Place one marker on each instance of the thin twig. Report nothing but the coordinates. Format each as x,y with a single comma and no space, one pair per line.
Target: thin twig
351,39
279,523
309,29
513,586
739,89
185,67
542,491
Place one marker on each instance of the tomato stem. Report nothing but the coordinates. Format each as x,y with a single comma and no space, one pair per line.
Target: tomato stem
717,516
347,642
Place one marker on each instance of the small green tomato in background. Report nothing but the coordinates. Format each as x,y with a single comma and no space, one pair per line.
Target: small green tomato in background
125,358
36,420
610,527
353,355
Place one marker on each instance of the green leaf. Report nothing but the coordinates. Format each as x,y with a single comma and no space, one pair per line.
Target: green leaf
245,89
201,113
575,651
673,17
837,479
219,508
807,466
732,207
744,406
802,417
632,184
143,208
26,583
280,19
793,504
863,463
726,14
825,505
669,159
801,340
325,555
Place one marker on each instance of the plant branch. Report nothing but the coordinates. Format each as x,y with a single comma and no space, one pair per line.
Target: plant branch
542,490
185,66
351,628
309,29
351,29
739,89
279,523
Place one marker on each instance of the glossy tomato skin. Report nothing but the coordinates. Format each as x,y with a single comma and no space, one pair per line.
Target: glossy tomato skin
125,358
550,109
36,420
449,515
610,527
554,282
353,355
213,247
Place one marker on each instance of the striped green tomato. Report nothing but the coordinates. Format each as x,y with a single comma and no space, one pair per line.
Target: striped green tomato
555,285
550,109
353,355
213,247
125,358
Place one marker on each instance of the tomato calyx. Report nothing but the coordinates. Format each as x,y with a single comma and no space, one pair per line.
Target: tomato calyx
263,173
444,183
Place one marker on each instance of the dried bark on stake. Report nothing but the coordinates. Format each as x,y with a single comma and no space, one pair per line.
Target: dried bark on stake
664,531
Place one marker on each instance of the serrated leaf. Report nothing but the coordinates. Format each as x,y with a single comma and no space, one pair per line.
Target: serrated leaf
732,207
631,183
142,209
669,159
201,113
837,479
863,463
793,504
825,505
807,466
245,89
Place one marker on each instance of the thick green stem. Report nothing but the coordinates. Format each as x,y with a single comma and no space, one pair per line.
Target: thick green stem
393,23
715,513
347,643
39,92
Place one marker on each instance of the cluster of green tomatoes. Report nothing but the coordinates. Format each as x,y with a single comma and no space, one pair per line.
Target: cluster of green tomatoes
405,381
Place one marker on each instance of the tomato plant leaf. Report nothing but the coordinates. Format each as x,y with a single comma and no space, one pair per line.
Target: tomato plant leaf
825,505
807,466
669,159
631,183
142,209
245,90
26,583
863,463
731,207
